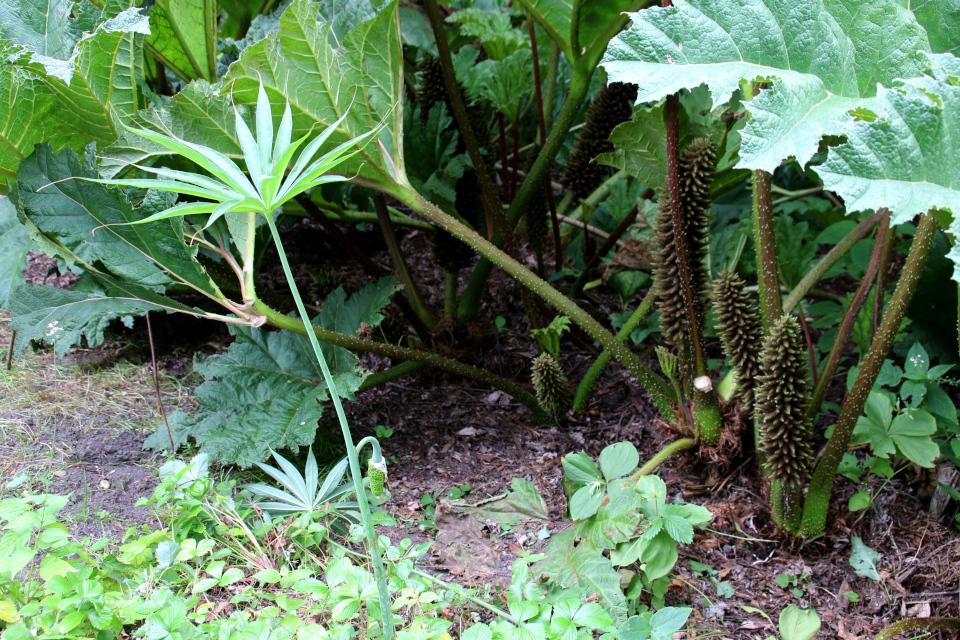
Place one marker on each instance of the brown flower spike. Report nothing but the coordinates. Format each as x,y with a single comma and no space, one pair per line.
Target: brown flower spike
781,405
741,333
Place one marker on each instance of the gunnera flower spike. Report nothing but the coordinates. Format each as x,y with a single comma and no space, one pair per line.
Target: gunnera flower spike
696,167
553,390
612,106
741,333
785,432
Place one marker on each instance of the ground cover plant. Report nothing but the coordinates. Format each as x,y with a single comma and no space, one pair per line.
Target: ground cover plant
158,153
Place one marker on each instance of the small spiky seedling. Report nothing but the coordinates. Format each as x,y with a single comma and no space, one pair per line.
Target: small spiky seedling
696,166
553,390
781,405
612,106
741,333
324,283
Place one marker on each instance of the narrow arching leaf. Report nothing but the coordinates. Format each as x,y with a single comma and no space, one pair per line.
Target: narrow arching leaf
183,36
821,59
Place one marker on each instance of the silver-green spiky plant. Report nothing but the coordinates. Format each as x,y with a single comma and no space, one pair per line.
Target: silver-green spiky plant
271,181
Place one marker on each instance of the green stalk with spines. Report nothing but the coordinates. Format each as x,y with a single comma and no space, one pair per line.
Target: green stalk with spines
827,261
585,388
765,240
679,276
410,287
786,433
915,624
818,495
849,318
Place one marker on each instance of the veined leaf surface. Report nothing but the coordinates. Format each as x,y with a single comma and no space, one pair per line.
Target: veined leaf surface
821,59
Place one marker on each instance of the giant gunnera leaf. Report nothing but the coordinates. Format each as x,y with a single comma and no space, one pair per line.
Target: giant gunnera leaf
66,76
905,154
266,391
818,60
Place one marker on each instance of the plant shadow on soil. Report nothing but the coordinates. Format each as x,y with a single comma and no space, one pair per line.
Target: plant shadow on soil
73,424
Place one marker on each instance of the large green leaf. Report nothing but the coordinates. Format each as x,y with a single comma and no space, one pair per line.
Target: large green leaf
596,19
941,19
89,220
62,318
14,245
95,86
197,114
183,36
820,58
265,392
23,120
42,25
262,394
908,158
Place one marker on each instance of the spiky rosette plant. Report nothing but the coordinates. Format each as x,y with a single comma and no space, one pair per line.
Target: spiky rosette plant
270,182
612,106
741,332
553,390
786,433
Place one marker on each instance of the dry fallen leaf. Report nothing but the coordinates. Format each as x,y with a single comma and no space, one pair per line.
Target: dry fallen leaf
60,473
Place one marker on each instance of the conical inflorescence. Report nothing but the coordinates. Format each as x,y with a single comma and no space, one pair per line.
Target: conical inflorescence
612,106
781,400
324,283
553,390
741,333
696,167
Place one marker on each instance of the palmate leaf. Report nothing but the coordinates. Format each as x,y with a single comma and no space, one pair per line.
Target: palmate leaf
324,69
183,36
74,213
23,120
821,58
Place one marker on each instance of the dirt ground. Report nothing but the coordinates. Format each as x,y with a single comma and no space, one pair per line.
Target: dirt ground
76,426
